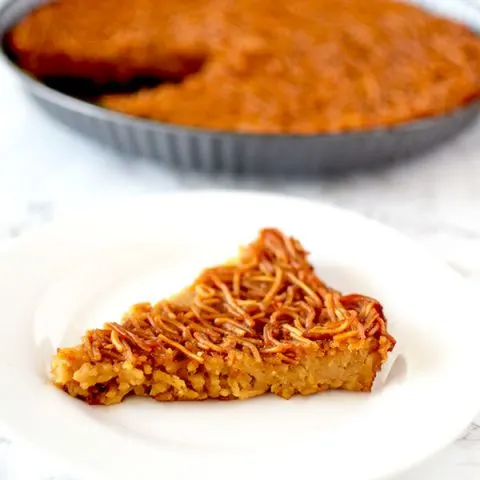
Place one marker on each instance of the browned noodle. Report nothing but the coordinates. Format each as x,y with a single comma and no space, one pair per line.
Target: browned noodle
269,302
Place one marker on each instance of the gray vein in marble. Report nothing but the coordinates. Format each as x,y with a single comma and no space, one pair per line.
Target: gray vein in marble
36,213
472,434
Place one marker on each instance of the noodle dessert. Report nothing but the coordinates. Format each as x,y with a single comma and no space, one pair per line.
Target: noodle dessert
298,66
262,323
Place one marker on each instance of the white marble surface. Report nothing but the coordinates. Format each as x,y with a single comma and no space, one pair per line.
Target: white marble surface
47,171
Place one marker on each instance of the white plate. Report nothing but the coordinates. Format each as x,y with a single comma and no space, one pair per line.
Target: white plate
84,271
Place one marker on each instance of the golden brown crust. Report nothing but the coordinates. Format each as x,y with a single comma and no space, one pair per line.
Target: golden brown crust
267,317
304,66
111,40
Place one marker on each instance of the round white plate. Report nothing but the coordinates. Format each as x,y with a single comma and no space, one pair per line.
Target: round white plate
82,272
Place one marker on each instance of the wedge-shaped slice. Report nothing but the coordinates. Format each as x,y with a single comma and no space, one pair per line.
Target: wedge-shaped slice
264,323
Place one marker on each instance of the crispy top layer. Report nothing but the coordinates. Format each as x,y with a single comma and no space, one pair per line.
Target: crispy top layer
269,302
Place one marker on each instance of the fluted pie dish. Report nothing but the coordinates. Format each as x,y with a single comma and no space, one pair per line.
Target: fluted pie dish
204,84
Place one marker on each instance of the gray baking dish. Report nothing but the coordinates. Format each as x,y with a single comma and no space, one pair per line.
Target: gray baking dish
229,152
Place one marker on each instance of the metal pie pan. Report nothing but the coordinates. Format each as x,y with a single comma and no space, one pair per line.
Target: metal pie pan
233,153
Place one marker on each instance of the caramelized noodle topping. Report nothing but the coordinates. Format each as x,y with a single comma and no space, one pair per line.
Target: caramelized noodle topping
269,302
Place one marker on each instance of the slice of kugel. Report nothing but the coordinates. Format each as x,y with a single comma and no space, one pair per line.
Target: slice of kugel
264,323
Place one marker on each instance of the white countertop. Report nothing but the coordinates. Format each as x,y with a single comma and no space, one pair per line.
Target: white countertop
47,171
